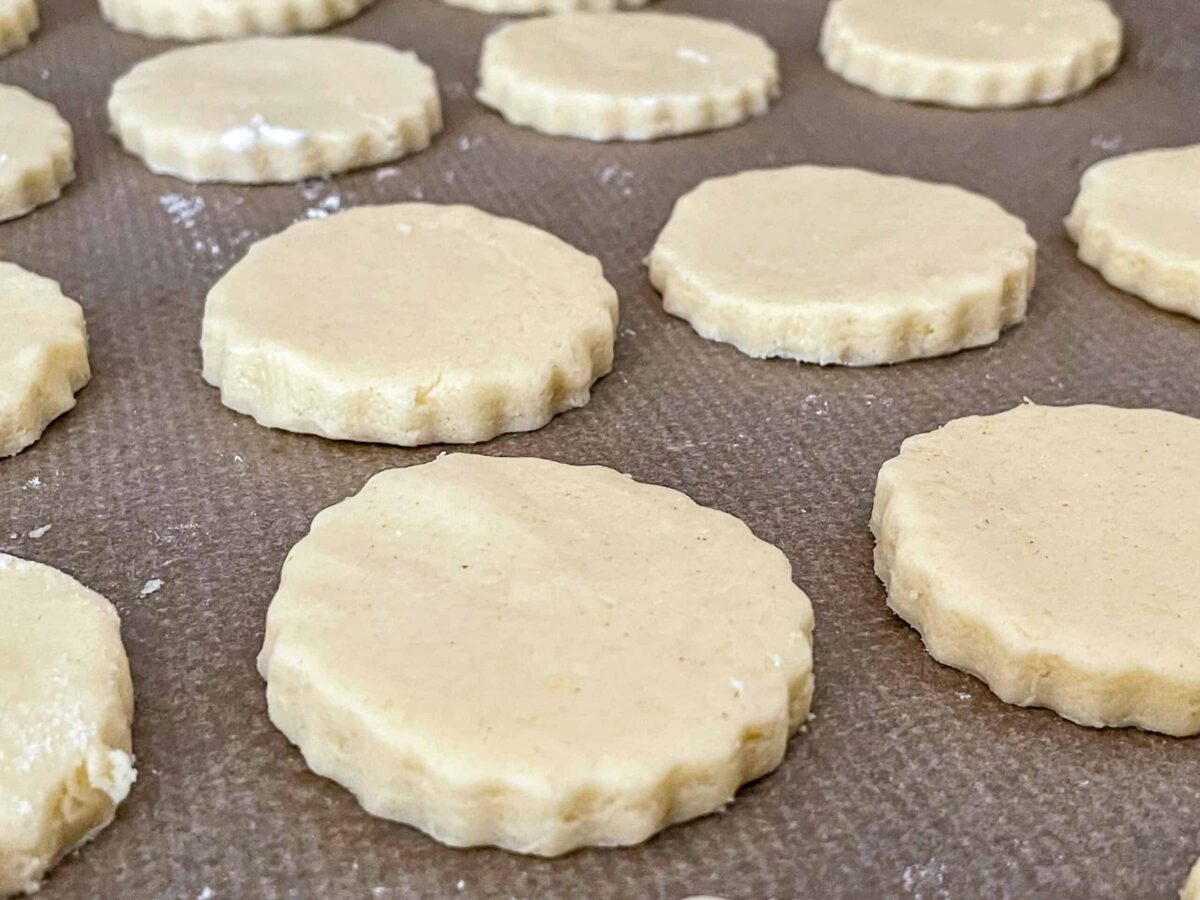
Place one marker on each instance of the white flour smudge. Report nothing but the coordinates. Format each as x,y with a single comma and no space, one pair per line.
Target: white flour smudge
153,586
40,531
182,210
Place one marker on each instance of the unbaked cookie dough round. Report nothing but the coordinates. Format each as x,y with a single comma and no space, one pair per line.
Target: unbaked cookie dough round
18,20
66,706
37,152
202,20
1137,220
275,109
972,53
1191,890
534,7
626,76
486,649
409,324
843,266
43,356
1051,552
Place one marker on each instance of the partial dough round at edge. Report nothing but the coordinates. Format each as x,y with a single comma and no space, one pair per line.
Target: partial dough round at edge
202,20
1191,889
38,149
18,21
537,7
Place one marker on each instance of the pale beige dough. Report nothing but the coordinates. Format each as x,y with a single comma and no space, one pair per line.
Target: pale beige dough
972,53
536,656
409,324
43,356
1191,890
201,20
533,7
626,76
37,152
66,706
1051,552
1137,220
829,265
275,109
18,20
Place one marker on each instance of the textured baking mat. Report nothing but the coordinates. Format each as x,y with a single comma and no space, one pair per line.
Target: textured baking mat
912,781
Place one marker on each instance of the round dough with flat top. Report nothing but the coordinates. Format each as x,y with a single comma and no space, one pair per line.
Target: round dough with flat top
1051,551
626,76
66,705
828,265
37,152
492,651
203,20
409,324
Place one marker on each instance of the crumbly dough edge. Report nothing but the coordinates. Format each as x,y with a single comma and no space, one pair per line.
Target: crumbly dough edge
42,183
16,29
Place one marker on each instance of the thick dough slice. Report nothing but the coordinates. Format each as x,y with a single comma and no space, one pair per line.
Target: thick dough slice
626,76
842,266
66,707
492,650
409,324
202,20
534,7
972,53
275,109
1191,890
1137,220
37,152
1051,552
43,356
18,20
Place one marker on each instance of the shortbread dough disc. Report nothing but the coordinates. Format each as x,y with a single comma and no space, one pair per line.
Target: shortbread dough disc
1051,552
535,656
626,76
43,356
533,7
1137,220
37,152
972,53
201,20
1191,890
275,109
409,324
18,20
842,266
66,705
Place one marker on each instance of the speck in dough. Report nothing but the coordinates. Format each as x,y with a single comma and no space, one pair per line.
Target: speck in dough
275,109
43,356
1051,552
66,706
18,20
409,324
626,76
972,53
486,649
37,152
1137,220
202,20
828,265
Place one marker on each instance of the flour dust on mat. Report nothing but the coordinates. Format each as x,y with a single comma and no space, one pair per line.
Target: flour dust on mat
202,20
626,76
18,20
972,53
486,650
66,707
1051,552
37,152
827,265
1137,220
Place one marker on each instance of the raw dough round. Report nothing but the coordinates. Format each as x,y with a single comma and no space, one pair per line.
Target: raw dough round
409,324
275,109
626,76
43,356
492,651
37,152
18,20
533,7
1051,552
1191,890
66,705
842,266
201,20
1137,220
972,53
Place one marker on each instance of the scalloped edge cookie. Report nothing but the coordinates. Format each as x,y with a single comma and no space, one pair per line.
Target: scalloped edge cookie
17,24
184,22
41,179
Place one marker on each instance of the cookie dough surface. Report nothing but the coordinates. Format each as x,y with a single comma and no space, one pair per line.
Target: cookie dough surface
275,109
626,76
201,20
487,650
37,152
1137,220
43,356
972,53
409,324
532,7
18,20
828,265
1051,552
66,705
1191,890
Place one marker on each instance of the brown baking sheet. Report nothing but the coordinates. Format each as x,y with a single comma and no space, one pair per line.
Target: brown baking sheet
912,781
